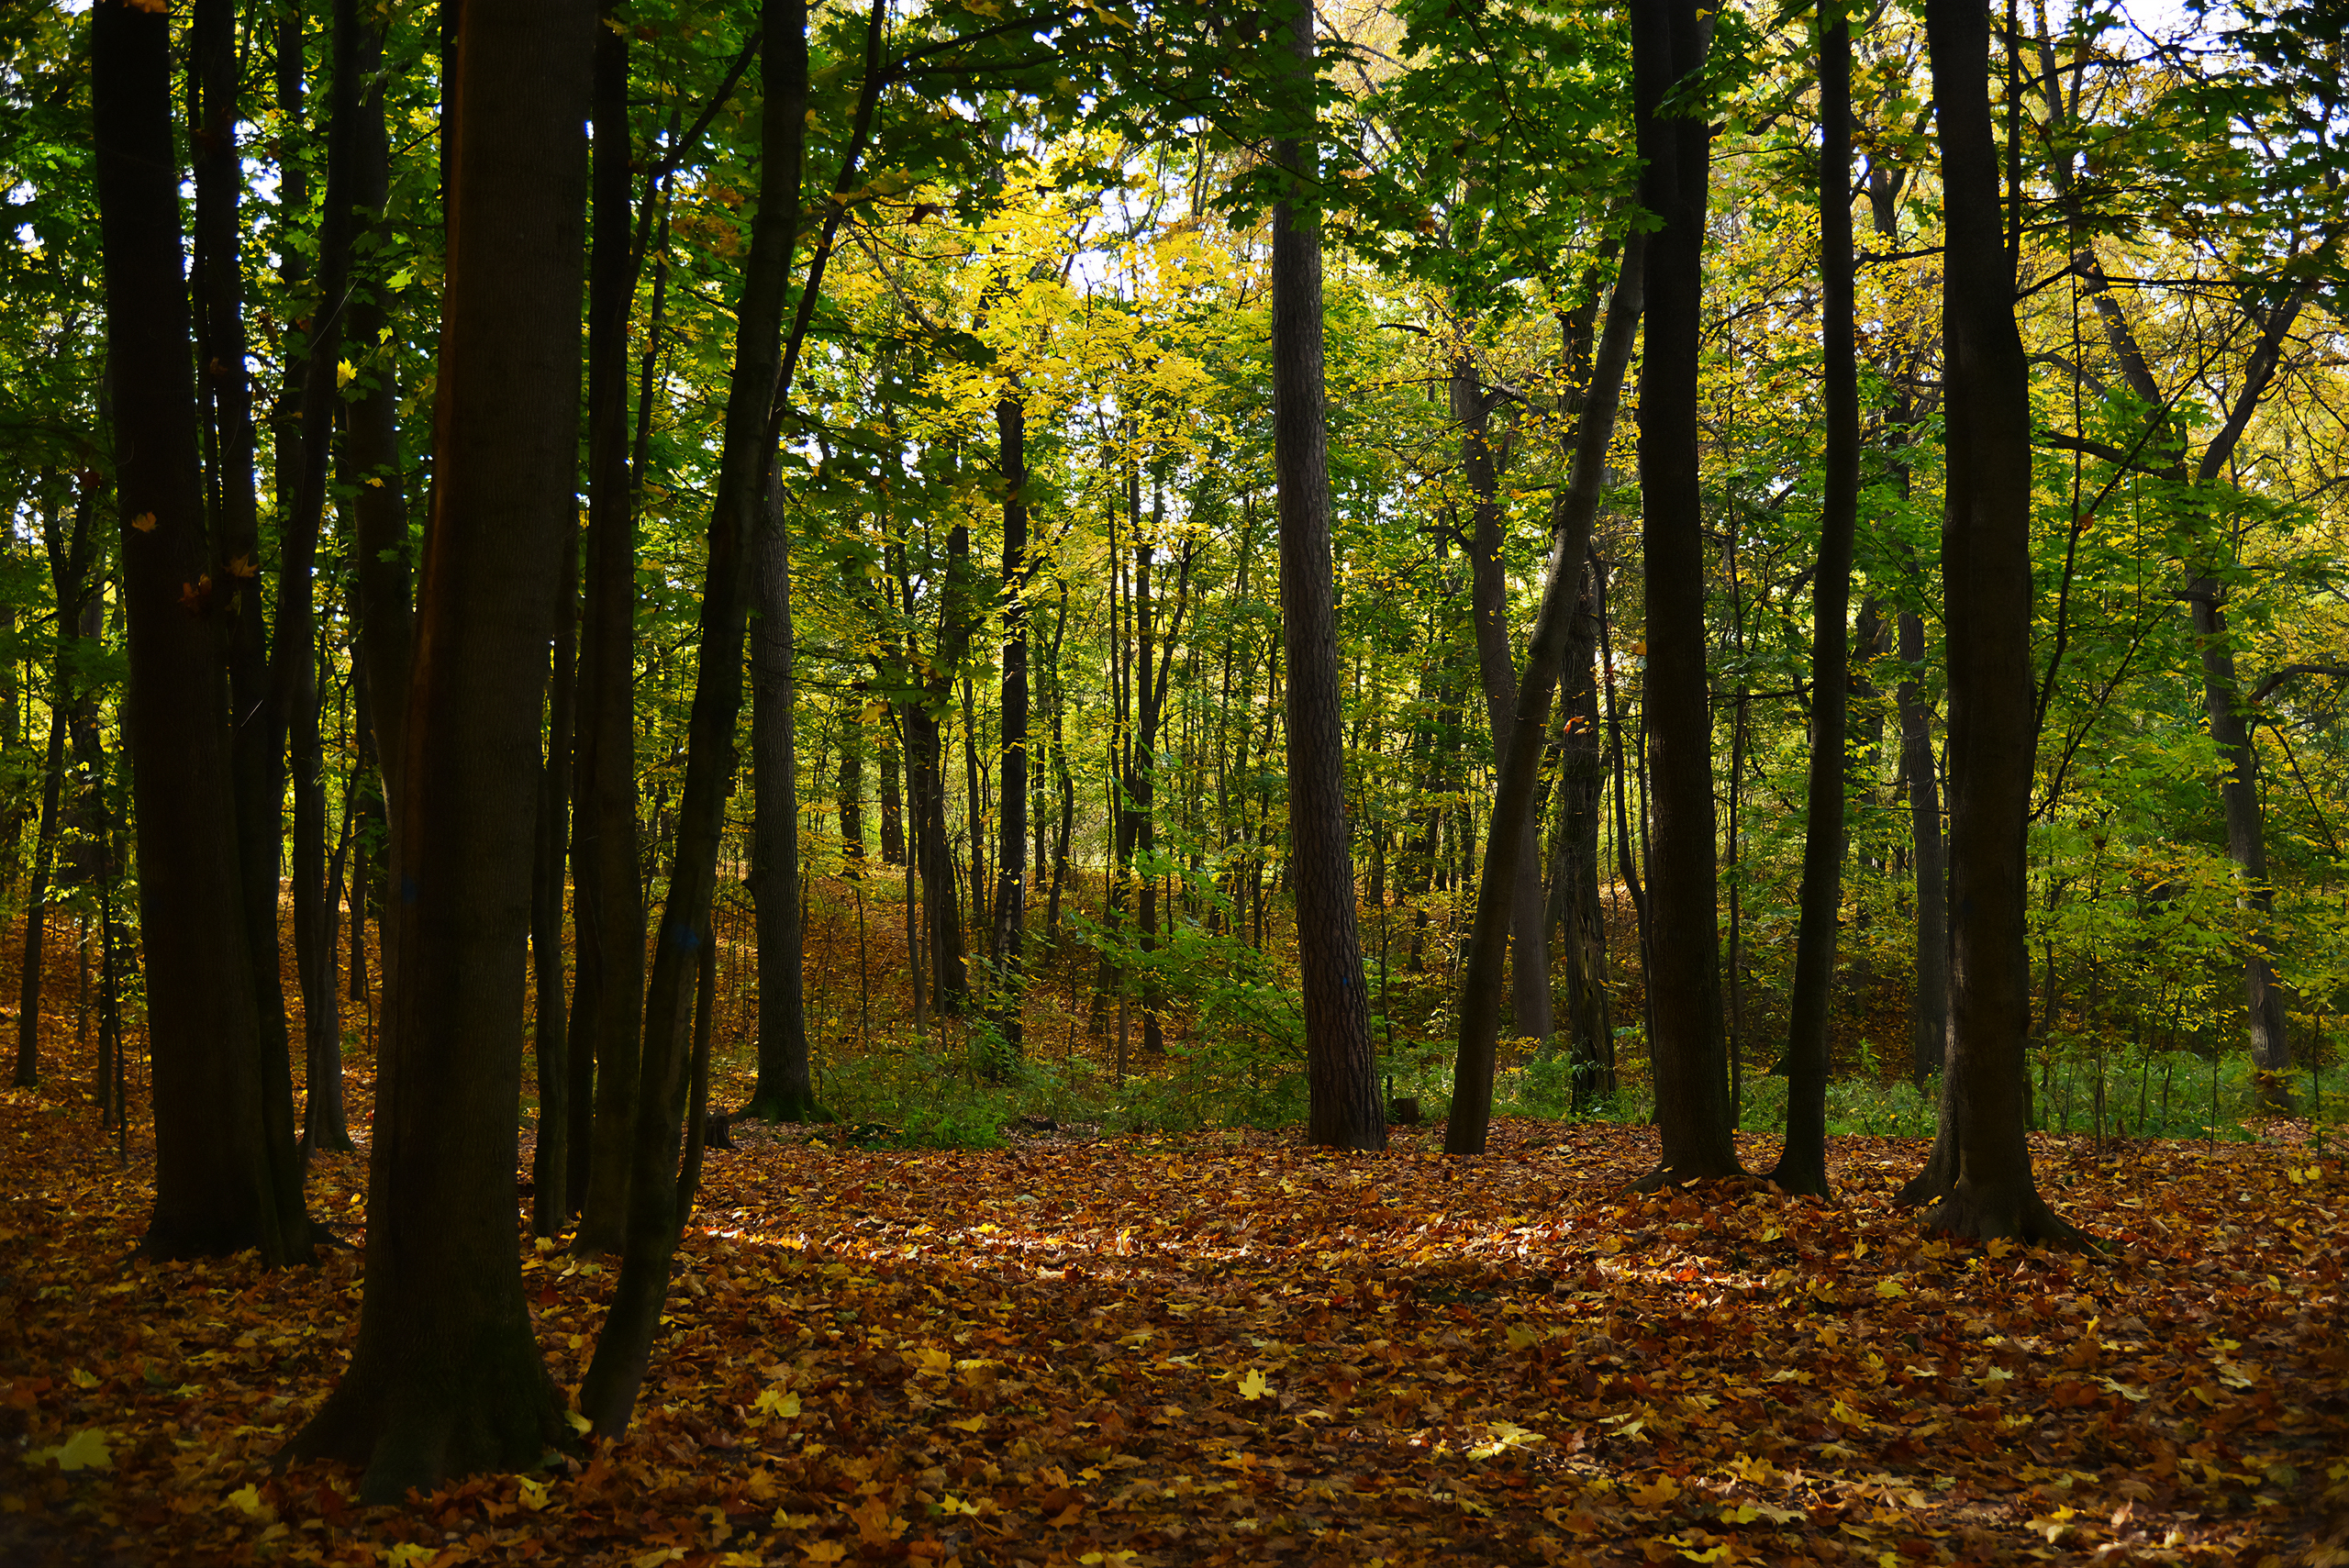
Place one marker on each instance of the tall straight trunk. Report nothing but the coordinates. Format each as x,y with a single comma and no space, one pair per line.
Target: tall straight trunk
1513,800
757,399
446,1377
1929,1015
551,837
1979,1170
852,791
1063,777
69,565
785,1090
1802,1162
933,857
1529,967
1573,897
607,904
224,1139
1669,41
1011,868
1342,1074
324,1125
892,811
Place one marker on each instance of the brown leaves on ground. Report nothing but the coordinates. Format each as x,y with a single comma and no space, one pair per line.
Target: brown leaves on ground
1234,1349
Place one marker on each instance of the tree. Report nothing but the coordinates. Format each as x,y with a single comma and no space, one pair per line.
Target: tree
1340,1063
785,1090
446,1377
1979,1177
1802,1162
1669,41
223,1140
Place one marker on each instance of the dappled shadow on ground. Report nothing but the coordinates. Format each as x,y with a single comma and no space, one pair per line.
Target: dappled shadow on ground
1231,1348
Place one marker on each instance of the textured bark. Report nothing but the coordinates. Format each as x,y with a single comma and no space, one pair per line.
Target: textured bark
893,811
1929,1015
785,1090
551,837
1575,903
1668,47
446,1377
1979,1170
608,903
1802,1161
1344,1111
224,1137
1505,841
69,568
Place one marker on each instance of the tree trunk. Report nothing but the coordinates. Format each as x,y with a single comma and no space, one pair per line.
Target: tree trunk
550,1043
1573,899
225,1163
1506,840
1802,1161
784,1092
1669,44
893,811
1980,1167
1929,1016
607,904
1529,968
69,564
446,1377
1340,1063
1011,867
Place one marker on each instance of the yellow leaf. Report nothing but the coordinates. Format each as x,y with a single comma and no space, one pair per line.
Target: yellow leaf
824,1551
246,1500
2000,1246
1891,1289
534,1494
969,1423
933,1360
778,1402
84,1380
1253,1386
408,1554
1844,1414
657,1556
85,1449
144,522
579,1423
343,374
1655,1496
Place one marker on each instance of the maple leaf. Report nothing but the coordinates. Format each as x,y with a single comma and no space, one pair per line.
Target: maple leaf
145,521
85,1449
1655,1495
1253,1386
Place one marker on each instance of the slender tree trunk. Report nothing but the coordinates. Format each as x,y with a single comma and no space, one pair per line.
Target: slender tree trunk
1802,1162
1929,1016
69,558
607,906
1980,1167
1669,42
1341,1062
446,1377
1011,869
1506,840
1575,899
224,1136
785,1092
893,811
551,1044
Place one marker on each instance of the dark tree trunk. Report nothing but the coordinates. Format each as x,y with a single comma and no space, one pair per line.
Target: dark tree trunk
607,904
1669,42
1573,898
1980,1167
1929,1016
224,1137
1529,967
550,1043
446,1377
852,792
1506,840
1011,867
1340,1063
1802,1162
893,811
784,1092
933,856
757,397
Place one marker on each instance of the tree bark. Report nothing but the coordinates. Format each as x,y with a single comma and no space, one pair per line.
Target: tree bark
1802,1160
1573,896
1668,47
224,1136
1344,1111
1979,1170
69,564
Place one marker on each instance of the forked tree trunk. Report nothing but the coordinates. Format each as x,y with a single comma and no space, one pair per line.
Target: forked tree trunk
1669,42
1344,1110
446,1377
224,1138
1979,1170
1505,842
1802,1162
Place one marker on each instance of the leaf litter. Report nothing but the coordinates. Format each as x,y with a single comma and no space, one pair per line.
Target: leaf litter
1229,1348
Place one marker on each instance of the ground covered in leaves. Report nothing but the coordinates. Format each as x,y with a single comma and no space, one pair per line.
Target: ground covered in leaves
1229,1348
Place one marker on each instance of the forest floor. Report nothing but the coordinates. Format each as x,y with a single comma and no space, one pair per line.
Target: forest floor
1231,1348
